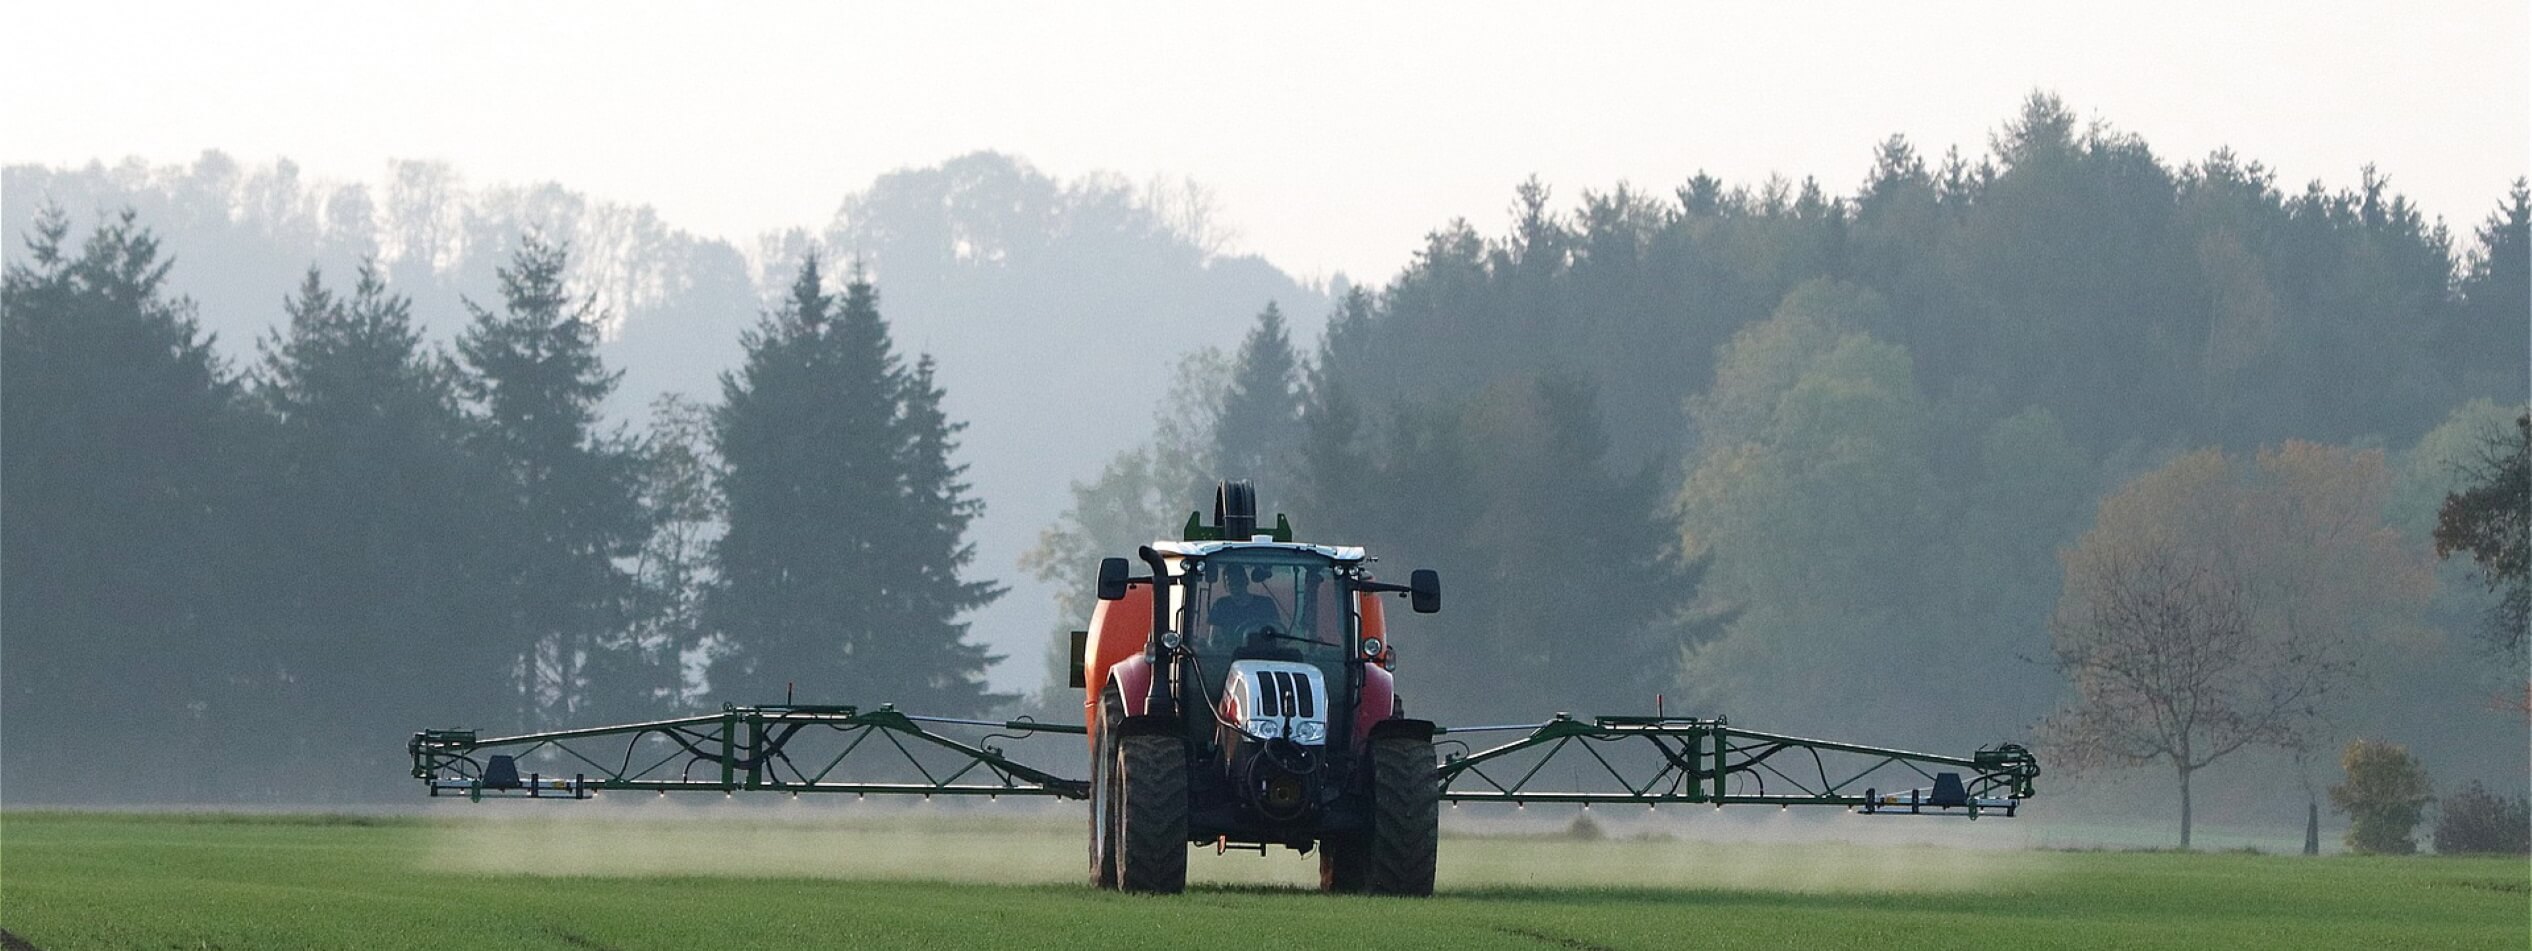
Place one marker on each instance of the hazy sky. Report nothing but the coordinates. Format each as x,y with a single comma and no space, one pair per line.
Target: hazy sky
1334,135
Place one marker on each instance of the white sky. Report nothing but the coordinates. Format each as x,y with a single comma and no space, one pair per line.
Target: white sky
1334,135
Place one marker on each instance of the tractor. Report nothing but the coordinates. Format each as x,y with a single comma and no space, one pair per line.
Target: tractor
1239,693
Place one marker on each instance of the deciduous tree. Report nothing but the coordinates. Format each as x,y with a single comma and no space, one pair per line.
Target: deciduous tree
2215,608
2384,797
2491,519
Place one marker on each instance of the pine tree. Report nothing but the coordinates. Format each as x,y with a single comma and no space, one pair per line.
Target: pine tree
120,489
569,506
2496,301
1332,456
1260,429
840,573
932,555
373,506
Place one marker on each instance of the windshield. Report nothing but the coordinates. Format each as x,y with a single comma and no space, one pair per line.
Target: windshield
1267,605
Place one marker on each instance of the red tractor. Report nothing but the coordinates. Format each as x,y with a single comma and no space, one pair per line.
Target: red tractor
1238,693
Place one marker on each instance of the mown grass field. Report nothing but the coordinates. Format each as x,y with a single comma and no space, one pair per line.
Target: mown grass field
71,880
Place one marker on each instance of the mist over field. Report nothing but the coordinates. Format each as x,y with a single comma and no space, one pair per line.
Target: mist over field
300,459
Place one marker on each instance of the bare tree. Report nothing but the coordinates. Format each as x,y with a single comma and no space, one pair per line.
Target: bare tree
1192,212
2168,668
2213,605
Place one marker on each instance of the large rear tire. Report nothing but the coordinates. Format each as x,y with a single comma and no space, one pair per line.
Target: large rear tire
1103,813
1406,827
1151,777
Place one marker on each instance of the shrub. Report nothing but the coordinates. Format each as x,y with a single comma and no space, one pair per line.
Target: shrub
2476,820
2385,795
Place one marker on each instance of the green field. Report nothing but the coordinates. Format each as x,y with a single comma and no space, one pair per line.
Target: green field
930,881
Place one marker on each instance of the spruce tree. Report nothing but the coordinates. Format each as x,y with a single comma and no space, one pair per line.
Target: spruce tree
839,575
569,505
1260,429
1332,456
2496,292
933,554
374,508
120,489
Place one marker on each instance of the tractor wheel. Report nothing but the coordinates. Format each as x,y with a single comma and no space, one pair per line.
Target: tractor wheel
1103,814
1151,802
1343,864
1406,818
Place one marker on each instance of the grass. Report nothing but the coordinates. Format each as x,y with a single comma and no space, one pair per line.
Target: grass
88,880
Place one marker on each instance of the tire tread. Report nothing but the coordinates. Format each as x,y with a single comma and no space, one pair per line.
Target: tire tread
1406,818
1152,808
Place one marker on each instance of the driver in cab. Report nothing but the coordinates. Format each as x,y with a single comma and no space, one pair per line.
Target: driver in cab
1242,616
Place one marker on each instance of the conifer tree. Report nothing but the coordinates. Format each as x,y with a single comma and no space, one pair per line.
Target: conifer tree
933,554
1332,456
840,572
120,489
2496,291
1260,428
569,504
373,509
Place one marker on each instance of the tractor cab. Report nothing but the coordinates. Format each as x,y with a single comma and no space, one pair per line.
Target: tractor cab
1269,602
1261,606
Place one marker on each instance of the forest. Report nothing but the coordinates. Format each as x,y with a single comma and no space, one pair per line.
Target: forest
1882,463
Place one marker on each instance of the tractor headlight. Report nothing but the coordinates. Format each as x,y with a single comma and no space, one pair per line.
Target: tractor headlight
1371,647
1309,731
1170,640
1265,729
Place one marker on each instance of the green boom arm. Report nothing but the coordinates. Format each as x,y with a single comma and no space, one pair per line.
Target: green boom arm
841,749
1659,760
827,749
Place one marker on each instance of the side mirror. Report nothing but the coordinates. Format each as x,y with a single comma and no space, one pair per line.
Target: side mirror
1424,591
1112,573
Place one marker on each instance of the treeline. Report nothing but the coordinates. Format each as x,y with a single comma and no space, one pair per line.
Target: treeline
1809,459
990,265
253,582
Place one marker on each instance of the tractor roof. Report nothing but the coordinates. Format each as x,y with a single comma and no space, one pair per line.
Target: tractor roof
1202,549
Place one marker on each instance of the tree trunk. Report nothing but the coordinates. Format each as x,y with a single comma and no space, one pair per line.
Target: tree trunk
2184,808
2312,828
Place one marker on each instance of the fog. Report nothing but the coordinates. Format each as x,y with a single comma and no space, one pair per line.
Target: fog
1020,844
1801,390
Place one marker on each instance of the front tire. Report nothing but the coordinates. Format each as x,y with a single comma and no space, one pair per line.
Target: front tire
1151,841
1406,831
1344,865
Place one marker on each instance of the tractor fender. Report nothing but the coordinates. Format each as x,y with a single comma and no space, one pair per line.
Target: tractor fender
1113,655
1403,728
1376,703
1141,725
1132,678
